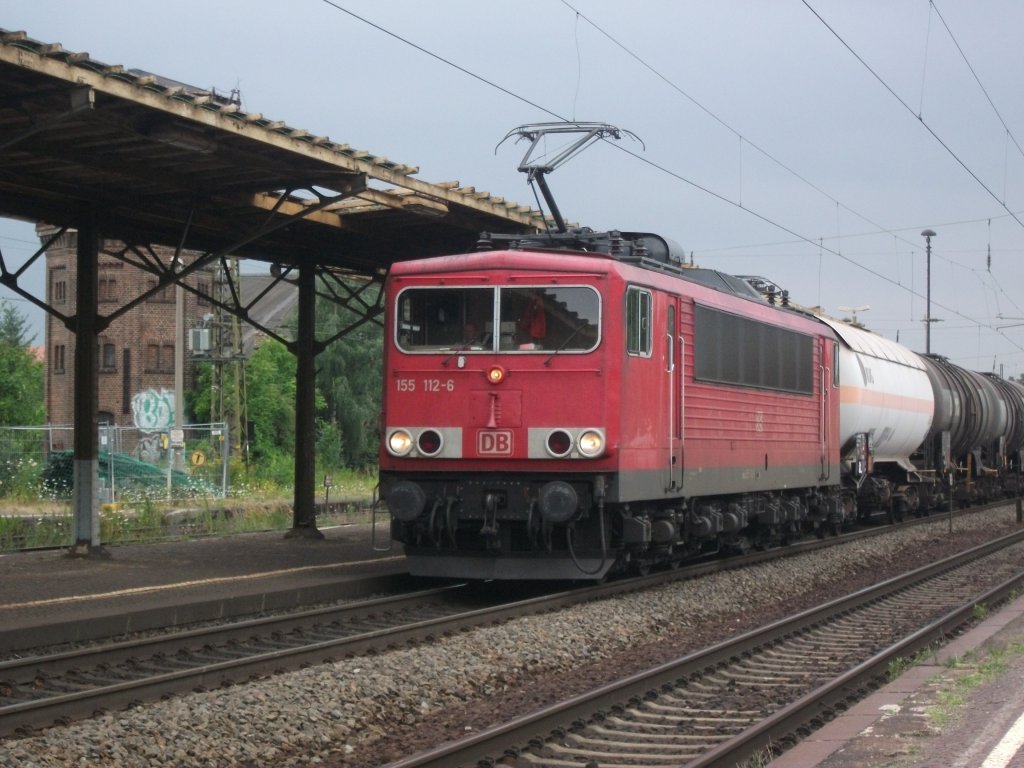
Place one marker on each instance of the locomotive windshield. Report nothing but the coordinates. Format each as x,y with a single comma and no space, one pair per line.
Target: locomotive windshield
527,319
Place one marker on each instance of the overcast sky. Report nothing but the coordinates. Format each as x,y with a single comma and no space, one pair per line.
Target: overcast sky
810,143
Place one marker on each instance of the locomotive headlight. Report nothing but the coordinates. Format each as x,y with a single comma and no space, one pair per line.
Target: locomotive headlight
495,374
400,443
591,443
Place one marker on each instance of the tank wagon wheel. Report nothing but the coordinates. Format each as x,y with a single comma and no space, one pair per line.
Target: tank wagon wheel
913,500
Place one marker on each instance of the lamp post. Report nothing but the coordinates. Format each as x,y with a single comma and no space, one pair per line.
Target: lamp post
928,235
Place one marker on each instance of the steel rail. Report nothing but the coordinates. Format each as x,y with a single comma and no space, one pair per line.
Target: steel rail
509,739
781,730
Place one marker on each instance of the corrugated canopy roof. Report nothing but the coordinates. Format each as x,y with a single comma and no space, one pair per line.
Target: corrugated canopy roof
154,159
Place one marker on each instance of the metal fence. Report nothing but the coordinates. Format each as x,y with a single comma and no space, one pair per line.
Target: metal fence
134,465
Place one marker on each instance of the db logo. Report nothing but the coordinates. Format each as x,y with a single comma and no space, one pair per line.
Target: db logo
494,443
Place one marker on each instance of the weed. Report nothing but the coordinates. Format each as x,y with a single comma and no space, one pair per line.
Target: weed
898,666
976,672
761,758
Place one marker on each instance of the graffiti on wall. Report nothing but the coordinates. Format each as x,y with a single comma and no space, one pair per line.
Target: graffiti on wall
153,410
149,448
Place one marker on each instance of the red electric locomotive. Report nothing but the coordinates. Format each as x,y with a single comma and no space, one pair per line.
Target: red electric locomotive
570,405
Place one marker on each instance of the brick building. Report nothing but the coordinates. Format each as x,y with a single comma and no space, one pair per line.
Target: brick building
136,351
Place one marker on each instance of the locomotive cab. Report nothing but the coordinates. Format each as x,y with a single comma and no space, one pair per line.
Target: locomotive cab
496,437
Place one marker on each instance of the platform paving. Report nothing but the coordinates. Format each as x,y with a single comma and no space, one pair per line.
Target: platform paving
50,595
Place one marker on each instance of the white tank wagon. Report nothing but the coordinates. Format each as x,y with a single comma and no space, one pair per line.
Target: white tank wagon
884,392
885,414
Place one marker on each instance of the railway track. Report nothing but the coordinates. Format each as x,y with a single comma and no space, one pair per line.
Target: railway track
752,696
57,687
40,690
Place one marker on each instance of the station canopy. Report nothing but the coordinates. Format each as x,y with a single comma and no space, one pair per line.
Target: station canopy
156,161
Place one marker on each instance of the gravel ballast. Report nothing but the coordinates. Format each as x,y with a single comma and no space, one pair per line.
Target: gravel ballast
365,711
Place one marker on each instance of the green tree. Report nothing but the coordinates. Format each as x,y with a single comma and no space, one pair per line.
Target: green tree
349,376
14,326
21,375
270,381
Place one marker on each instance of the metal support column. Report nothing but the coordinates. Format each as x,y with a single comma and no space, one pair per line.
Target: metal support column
86,397
305,346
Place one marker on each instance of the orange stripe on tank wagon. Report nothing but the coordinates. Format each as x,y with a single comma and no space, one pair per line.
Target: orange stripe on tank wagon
875,399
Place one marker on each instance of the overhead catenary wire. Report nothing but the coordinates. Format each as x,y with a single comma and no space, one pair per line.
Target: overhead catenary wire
702,188
651,163
743,139
920,119
977,79
724,124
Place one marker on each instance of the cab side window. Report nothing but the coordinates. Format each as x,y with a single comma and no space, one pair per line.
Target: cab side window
638,322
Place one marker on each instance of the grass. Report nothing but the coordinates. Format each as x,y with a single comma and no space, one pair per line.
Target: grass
969,672
901,664
257,506
760,759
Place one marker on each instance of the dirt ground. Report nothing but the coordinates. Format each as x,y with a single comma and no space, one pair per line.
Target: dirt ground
950,722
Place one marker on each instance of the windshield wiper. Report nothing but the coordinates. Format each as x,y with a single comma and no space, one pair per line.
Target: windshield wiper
456,350
565,343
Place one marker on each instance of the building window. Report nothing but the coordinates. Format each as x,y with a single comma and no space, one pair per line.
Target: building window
152,358
58,358
159,358
107,289
58,288
163,296
108,357
203,298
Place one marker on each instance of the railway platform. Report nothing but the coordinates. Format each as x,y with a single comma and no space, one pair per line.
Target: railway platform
891,727
47,597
